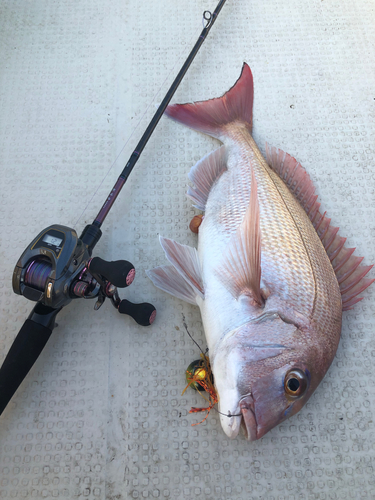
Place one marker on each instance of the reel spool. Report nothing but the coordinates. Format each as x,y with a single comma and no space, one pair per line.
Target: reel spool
37,273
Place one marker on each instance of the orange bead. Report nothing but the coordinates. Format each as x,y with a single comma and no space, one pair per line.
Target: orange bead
195,223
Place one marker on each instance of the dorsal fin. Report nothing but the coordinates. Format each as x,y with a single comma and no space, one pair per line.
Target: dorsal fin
349,273
241,269
204,174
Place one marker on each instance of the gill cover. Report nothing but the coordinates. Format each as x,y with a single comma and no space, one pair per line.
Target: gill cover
250,366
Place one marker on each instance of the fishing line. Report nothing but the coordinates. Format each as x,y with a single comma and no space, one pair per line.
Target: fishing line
195,342
58,266
37,273
205,21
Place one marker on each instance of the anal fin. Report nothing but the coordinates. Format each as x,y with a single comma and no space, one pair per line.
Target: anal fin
204,174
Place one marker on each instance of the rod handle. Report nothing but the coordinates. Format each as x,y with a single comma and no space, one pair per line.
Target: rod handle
118,272
144,313
24,351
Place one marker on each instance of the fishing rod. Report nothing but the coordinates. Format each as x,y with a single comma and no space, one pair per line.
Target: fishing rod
57,266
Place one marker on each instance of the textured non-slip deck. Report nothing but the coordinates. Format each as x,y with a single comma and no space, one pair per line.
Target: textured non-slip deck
100,415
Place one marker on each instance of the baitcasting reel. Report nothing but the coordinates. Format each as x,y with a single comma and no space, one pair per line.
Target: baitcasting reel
57,267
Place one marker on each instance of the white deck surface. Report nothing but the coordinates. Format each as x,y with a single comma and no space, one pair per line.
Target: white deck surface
100,415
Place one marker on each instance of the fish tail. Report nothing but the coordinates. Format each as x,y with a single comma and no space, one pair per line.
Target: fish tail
212,116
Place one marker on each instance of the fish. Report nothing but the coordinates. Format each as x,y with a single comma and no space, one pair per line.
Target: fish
271,275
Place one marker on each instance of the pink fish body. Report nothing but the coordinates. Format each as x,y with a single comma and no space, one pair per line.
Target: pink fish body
271,276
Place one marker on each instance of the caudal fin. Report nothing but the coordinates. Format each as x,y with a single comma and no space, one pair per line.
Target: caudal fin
211,116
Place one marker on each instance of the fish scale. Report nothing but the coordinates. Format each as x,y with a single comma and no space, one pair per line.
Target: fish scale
326,312
262,276
280,236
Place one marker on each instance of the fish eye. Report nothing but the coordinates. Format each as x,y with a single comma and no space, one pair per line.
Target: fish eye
295,384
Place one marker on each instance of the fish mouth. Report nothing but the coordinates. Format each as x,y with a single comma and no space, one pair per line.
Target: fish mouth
249,421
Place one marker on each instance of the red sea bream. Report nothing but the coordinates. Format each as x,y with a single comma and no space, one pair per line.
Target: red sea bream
271,276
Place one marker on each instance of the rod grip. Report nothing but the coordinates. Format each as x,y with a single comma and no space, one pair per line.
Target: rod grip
23,353
118,272
144,313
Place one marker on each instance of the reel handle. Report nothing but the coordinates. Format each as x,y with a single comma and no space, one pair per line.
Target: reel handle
25,350
144,313
118,272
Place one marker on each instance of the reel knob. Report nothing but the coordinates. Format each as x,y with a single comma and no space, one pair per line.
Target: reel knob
144,314
119,272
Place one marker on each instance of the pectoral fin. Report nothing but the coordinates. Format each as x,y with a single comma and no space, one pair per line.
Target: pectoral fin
241,269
